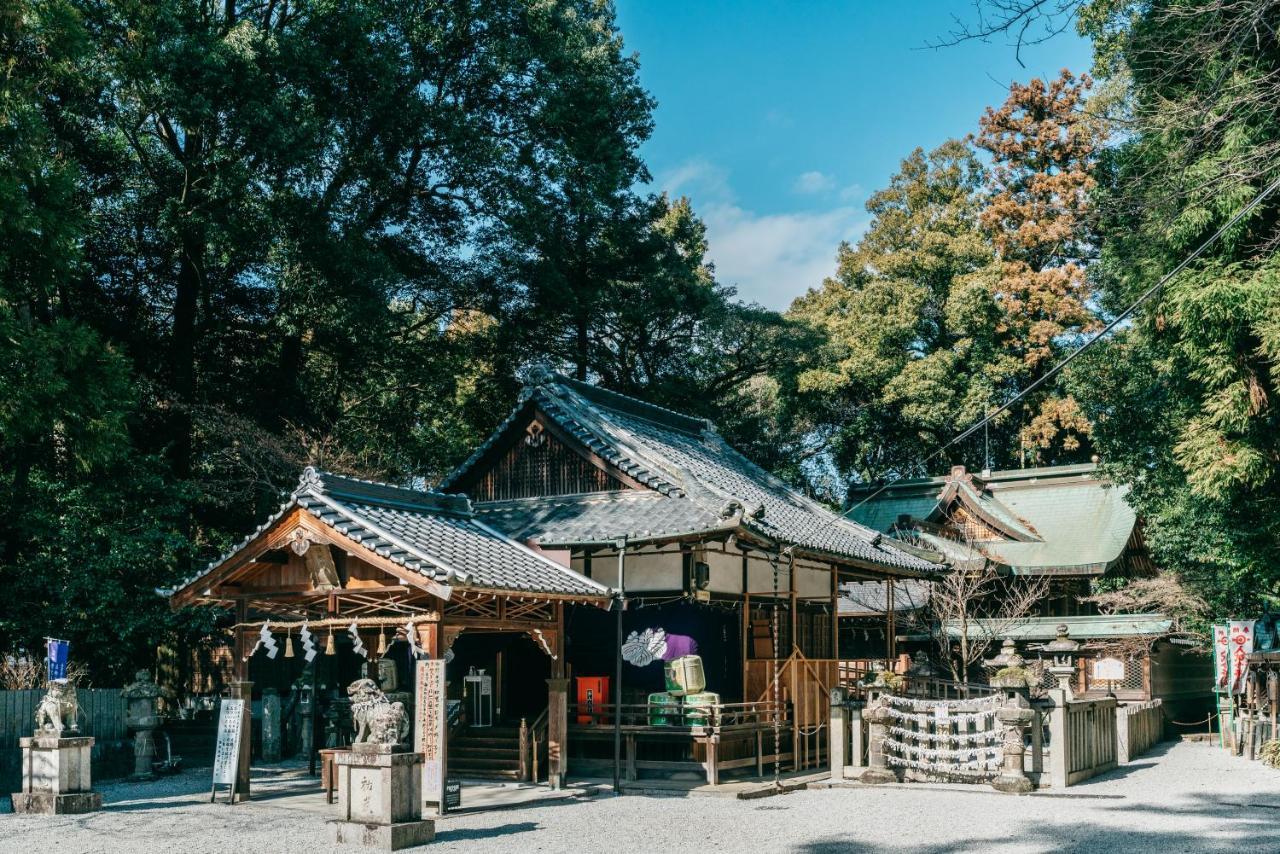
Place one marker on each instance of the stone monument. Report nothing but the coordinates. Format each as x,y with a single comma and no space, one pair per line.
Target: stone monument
56,769
380,779
143,717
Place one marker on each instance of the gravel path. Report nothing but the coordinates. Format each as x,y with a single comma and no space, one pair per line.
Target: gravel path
1181,797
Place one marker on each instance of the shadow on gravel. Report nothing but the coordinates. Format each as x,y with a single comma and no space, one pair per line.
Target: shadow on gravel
486,832
1220,825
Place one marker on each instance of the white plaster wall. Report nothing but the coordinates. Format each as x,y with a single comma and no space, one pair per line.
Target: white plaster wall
726,571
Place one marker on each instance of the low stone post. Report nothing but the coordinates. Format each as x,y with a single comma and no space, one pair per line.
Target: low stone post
838,735
877,717
857,738
380,798
272,726
143,717
557,731
307,712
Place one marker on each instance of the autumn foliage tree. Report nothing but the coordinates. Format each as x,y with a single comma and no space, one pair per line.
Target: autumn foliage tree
1039,216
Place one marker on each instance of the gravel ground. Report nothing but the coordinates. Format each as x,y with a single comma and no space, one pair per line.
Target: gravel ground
1180,797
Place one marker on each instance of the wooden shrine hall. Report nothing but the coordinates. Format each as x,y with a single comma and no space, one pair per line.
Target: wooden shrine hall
580,497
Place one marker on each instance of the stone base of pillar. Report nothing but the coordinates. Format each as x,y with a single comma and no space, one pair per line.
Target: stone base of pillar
877,776
47,803
380,798
385,837
1013,784
55,776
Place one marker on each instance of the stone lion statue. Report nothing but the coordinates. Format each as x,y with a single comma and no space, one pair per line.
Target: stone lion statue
58,708
376,719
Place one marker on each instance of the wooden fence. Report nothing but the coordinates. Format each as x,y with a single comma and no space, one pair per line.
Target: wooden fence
1139,726
102,715
1082,739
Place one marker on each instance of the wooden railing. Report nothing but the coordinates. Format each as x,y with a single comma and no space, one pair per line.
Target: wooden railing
1139,726
711,739
533,741
1082,741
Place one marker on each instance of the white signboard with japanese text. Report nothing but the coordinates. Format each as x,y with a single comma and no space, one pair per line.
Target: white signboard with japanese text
1108,670
431,730
226,751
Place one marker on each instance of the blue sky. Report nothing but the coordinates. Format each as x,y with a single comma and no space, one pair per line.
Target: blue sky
778,119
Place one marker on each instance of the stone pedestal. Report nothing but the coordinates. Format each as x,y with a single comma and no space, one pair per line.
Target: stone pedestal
877,718
380,798
1014,716
143,717
272,726
55,776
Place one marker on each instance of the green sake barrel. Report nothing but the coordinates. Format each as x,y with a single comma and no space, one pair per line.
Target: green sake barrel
697,707
664,709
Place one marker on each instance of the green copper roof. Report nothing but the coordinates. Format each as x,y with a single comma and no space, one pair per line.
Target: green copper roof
1095,627
1066,519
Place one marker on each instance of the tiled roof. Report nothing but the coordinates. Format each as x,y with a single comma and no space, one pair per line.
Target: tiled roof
1070,519
597,517
683,458
432,533
870,597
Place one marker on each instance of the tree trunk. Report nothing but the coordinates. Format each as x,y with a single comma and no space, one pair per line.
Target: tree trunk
183,353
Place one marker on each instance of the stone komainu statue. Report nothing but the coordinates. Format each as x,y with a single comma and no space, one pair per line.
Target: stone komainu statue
58,709
376,719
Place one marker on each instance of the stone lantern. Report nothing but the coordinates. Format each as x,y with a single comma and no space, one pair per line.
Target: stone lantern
1015,715
144,719
1062,649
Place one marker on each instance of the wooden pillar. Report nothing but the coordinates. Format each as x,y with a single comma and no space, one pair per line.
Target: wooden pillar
835,617
241,649
429,638
890,621
558,662
557,731
746,624
791,590
242,690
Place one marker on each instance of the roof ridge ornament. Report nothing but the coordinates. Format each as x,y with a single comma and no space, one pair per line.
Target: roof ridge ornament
310,479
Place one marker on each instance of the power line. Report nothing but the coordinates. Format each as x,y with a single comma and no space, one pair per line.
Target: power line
1070,357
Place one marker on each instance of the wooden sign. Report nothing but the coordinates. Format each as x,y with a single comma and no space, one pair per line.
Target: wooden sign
431,730
1108,669
226,752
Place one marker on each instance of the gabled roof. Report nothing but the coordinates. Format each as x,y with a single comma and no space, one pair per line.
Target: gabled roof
1062,519
431,533
871,599
712,487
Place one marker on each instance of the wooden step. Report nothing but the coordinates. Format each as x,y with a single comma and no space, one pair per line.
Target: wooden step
467,751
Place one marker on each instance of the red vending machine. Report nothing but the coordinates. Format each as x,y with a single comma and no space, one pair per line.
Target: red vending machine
593,692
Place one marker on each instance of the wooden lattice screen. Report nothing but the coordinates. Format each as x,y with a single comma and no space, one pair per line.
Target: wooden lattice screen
539,464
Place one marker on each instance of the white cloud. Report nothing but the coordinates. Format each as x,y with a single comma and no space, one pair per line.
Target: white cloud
771,258
811,183
774,258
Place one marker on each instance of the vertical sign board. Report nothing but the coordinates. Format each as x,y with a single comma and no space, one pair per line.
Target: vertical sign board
1240,638
226,752
431,731
1221,658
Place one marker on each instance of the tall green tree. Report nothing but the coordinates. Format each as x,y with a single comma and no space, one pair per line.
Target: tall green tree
1184,401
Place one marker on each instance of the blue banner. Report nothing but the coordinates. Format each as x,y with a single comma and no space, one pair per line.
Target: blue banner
57,657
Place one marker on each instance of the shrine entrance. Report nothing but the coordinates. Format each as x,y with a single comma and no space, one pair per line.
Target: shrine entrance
509,666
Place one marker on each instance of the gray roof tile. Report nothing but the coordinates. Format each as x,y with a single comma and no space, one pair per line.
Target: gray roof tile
683,458
435,534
